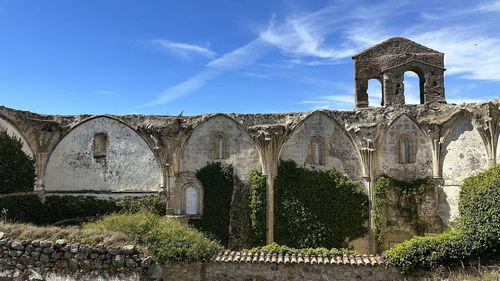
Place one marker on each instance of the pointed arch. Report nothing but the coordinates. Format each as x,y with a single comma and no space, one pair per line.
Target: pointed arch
463,151
339,150
199,148
405,151
12,130
72,165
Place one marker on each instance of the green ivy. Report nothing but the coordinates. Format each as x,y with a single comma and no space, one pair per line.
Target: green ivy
280,249
317,209
258,207
404,197
217,182
152,204
17,170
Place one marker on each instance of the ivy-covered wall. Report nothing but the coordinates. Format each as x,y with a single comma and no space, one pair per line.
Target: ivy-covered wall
258,208
17,169
402,209
217,182
317,208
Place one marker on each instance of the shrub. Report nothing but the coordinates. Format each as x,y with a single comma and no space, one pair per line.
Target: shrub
480,210
258,207
217,182
324,209
28,208
477,235
281,249
153,204
166,239
25,208
17,170
448,248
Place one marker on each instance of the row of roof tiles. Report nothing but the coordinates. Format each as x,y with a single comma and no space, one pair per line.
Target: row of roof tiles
248,257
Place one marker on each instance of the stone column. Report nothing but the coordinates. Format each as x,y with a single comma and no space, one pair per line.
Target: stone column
269,141
41,163
436,158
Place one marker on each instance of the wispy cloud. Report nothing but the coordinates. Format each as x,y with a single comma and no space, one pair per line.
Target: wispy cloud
490,6
183,50
236,59
105,93
333,34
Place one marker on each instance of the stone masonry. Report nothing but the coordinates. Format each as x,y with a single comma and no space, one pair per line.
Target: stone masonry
113,156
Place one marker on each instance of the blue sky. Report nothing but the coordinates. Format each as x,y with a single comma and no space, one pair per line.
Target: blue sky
248,56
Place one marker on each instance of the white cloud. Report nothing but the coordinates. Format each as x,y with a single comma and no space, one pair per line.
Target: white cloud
490,6
236,59
182,49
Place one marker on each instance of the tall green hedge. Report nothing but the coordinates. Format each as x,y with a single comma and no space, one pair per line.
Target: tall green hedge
217,182
317,209
479,208
28,208
17,170
477,235
258,208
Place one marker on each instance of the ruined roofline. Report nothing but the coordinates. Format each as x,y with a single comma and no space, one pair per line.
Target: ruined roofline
392,39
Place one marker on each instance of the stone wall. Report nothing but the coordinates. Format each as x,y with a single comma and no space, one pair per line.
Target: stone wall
265,272
336,148
128,166
36,259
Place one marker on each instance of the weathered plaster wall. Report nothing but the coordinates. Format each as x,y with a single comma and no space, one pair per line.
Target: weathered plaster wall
13,131
129,166
388,152
199,150
339,151
463,153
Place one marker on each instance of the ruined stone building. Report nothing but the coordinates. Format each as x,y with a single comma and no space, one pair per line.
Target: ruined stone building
144,154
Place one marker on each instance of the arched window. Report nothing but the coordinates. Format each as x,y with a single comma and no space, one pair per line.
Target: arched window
317,151
219,147
413,87
100,145
406,151
192,199
375,92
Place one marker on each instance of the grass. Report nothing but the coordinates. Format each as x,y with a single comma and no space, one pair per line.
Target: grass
472,273
20,231
166,239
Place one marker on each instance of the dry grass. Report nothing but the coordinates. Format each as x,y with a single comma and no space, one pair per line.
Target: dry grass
71,234
471,273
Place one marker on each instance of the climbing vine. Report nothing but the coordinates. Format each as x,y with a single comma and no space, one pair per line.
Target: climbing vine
217,182
317,208
404,198
258,208
17,170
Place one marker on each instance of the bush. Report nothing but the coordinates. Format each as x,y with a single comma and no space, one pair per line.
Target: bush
166,239
17,170
28,208
280,249
317,209
479,208
477,235
258,208
448,248
153,204
217,182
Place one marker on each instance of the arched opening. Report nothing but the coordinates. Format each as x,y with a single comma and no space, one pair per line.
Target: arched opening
317,151
192,197
100,145
375,92
219,147
406,150
413,87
